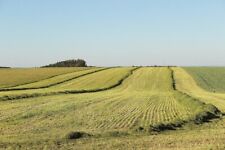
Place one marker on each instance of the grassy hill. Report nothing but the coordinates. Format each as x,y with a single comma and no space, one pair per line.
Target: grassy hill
113,108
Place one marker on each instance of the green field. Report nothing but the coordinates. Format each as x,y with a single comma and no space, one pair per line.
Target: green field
57,79
115,108
15,77
210,78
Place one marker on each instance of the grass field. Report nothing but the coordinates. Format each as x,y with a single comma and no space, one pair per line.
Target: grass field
82,81
57,79
188,85
124,107
210,78
14,77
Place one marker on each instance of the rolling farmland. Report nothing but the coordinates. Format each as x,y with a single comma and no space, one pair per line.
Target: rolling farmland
139,106
115,76
15,77
55,80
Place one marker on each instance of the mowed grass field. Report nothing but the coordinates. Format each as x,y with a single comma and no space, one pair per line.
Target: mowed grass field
114,108
15,77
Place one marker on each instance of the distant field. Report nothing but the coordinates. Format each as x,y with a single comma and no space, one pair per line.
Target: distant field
188,84
116,108
57,79
14,77
209,78
88,80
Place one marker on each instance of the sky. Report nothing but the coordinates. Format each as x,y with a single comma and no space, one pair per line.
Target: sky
112,32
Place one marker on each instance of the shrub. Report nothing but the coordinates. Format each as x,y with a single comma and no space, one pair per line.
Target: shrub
69,63
76,135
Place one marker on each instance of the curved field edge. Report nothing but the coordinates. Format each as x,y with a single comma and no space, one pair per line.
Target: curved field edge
33,95
31,73
90,71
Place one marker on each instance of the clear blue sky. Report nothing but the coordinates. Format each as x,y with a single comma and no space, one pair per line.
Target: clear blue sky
112,32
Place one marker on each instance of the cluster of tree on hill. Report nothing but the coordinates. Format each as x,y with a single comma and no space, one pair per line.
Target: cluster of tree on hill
69,63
